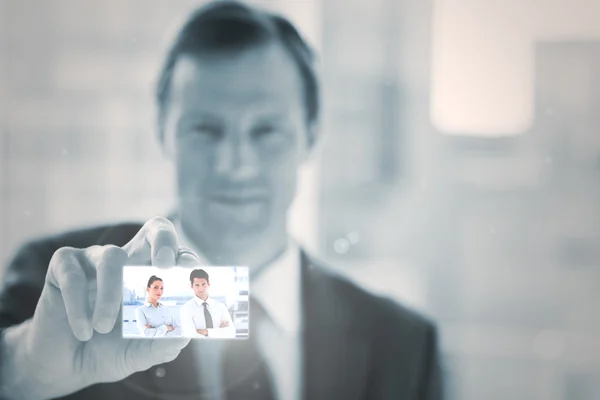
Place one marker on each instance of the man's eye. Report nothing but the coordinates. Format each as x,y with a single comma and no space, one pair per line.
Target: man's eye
207,130
263,130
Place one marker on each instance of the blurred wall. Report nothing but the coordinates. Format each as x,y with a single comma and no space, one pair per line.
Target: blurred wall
493,230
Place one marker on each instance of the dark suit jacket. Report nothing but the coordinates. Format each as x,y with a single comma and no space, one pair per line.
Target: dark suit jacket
355,345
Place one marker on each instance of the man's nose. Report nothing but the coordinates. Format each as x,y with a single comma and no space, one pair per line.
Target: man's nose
237,159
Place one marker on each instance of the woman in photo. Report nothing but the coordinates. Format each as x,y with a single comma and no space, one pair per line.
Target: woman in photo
154,318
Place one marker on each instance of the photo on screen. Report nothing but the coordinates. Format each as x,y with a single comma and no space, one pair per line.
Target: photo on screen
202,303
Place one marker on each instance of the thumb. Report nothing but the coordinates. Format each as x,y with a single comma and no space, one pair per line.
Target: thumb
146,353
156,243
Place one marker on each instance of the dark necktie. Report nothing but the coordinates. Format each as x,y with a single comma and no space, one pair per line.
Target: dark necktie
207,317
245,373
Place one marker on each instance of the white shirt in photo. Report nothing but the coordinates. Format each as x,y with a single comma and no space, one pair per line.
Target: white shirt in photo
158,318
192,318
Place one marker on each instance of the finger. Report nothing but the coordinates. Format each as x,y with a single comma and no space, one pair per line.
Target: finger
156,243
163,243
66,274
146,353
187,258
109,262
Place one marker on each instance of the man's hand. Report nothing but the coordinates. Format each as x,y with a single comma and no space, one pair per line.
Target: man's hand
224,324
73,339
169,328
148,326
202,331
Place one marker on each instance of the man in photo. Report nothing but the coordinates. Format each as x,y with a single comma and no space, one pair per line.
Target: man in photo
203,316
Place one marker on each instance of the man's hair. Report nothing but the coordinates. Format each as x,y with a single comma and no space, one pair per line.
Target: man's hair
229,27
200,274
153,279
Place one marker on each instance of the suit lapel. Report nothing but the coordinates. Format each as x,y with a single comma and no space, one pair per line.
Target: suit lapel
335,354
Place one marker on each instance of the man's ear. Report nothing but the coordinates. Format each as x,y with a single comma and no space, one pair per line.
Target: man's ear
165,141
166,148
313,144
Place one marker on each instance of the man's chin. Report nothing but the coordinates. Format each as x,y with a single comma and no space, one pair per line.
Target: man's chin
250,216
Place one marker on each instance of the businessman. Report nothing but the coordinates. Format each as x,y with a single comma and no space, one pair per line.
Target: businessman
203,316
238,116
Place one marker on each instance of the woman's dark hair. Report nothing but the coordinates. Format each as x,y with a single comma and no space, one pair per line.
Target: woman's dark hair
153,279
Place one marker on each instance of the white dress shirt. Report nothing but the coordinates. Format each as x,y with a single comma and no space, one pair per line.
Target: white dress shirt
277,289
158,318
192,318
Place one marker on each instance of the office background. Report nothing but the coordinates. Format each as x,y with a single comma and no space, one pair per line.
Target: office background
459,169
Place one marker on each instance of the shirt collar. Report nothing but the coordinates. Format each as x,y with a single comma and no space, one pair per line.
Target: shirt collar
209,300
277,288
148,304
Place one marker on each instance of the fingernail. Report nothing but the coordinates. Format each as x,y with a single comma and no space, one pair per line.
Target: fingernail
187,259
103,325
165,256
82,329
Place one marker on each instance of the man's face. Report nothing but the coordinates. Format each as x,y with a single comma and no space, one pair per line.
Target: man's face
236,126
201,288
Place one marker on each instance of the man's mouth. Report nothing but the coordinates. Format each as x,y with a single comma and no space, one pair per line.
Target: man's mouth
234,199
